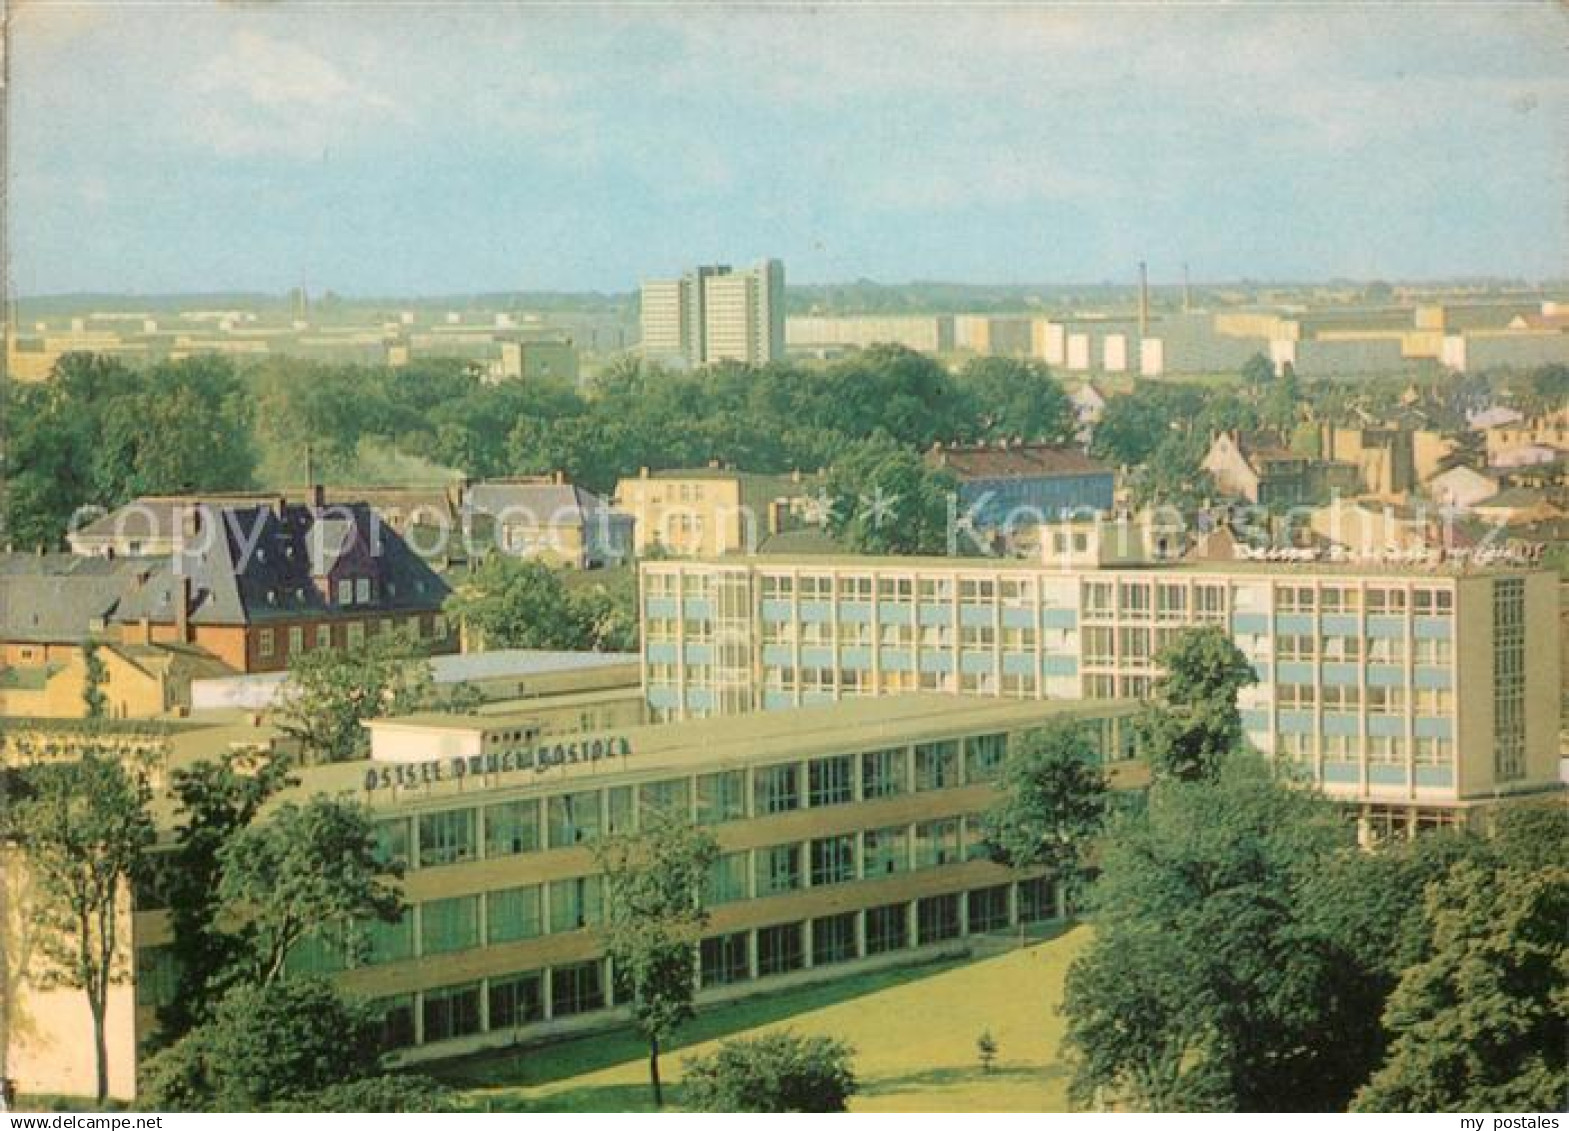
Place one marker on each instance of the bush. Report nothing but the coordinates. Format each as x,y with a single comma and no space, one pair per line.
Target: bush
778,1072
402,1094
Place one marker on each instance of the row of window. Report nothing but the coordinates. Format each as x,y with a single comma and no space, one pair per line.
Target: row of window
515,1000
509,828
267,639
1425,701
1383,750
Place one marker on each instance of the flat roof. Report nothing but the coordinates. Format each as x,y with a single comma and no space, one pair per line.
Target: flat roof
725,742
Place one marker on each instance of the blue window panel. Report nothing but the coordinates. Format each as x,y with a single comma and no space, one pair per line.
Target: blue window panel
662,607
777,700
1255,720
994,502
816,612
698,608
977,615
1252,624
1018,663
897,660
661,652
1386,775
1385,675
895,614
1060,618
859,659
1342,724
665,697
1435,728
1299,624
1018,618
936,662
1432,628
699,653
1436,678
977,663
778,654
1295,722
1293,672
817,657
1340,675
699,699
936,614
1388,628
855,612
1261,671
1386,726
1341,773
777,611
1435,777
1341,624
1060,665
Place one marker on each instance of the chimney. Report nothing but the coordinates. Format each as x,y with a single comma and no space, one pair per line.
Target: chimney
144,630
318,497
182,611
642,473
558,477
1144,300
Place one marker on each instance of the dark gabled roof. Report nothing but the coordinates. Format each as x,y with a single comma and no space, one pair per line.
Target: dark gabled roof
263,563
1015,461
55,598
553,504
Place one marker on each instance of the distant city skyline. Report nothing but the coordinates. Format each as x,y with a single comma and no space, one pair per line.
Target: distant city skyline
415,151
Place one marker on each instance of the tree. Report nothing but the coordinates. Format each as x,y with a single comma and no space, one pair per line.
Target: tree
1194,722
777,1072
330,692
401,1094
1258,370
1483,1023
1053,802
888,501
1014,397
265,1045
1203,989
514,602
654,919
94,676
217,798
986,1050
82,827
305,868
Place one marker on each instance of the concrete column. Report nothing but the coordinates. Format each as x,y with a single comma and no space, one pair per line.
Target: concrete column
806,944
751,955
860,934
547,993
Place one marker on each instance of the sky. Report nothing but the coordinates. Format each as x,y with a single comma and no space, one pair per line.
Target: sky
405,149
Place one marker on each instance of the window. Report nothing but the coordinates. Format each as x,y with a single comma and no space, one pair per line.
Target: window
517,1001
778,869
1209,602
855,588
511,828
977,637
887,928
578,988
988,909
895,589
389,942
324,640
362,590
1432,653
619,814
1386,750
345,591
1433,602
886,851
1434,752
937,918
451,1012
984,755
775,587
721,797
1295,696
936,765
977,591
1386,650
779,949
724,959
727,878
1386,602
449,924
438,626
1098,646
354,634
828,781
296,640
397,1021
1171,602
936,843
1386,700
1290,648
573,818
264,645
1341,649
446,838
1037,900
391,837
512,914
1098,600
778,788
1433,701
833,939
1344,700
883,773
574,904
671,797
1134,598
833,860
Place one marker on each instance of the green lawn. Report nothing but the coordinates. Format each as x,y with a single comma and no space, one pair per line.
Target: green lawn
913,1029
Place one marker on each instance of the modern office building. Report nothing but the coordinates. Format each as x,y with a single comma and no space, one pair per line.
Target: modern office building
848,838
713,313
1405,691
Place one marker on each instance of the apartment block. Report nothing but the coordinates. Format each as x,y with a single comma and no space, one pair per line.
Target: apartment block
713,314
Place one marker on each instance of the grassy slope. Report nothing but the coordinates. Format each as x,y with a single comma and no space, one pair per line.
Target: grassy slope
914,1032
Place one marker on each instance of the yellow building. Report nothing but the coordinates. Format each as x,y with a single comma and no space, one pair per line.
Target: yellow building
700,512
